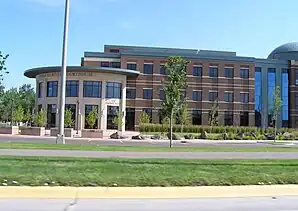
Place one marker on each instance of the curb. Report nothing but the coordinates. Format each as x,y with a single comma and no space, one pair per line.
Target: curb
147,192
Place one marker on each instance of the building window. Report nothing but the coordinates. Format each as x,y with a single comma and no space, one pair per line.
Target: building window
52,89
147,94
162,69
162,94
244,73
148,69
285,98
258,96
114,50
113,90
212,96
296,101
40,89
92,89
111,115
72,88
228,118
132,66
88,109
229,72
244,118
130,93
244,97
196,117
228,97
213,72
39,107
197,71
105,64
196,96
149,112
296,77
115,64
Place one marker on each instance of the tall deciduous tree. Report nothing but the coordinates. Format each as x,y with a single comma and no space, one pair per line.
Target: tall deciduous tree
173,86
18,114
213,115
3,69
184,116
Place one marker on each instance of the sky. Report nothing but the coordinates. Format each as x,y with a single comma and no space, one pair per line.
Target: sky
31,30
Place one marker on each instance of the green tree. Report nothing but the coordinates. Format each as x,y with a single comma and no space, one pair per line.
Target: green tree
40,119
118,120
92,117
27,96
27,116
213,115
173,86
184,116
18,114
144,118
8,103
276,107
3,69
68,118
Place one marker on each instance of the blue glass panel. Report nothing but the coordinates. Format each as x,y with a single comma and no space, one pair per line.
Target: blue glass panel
285,96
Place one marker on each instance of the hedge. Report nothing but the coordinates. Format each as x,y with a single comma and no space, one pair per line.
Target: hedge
201,128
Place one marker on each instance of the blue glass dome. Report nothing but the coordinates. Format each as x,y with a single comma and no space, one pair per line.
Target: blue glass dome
288,51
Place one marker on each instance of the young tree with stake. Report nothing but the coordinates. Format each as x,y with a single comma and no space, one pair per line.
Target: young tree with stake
175,83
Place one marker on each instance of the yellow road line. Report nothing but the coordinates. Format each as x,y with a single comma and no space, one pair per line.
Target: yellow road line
148,192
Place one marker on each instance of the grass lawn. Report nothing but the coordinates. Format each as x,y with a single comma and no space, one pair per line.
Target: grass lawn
140,148
35,171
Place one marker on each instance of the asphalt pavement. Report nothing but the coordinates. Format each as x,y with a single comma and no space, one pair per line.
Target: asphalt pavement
144,143
173,155
212,204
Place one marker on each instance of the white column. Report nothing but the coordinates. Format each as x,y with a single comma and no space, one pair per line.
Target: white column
103,109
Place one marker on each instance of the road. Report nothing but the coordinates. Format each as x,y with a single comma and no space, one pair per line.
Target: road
212,204
173,155
157,143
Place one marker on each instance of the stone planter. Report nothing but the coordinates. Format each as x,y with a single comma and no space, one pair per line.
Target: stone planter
33,131
68,132
92,133
14,130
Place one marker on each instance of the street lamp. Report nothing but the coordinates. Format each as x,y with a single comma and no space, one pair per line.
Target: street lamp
60,137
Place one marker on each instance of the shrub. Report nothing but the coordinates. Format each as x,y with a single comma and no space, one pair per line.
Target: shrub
188,136
40,119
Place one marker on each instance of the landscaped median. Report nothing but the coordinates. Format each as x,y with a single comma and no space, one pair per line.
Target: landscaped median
45,171
218,132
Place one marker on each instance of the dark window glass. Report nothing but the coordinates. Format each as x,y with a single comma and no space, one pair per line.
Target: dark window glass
111,115
149,112
114,50
132,66
212,96
229,72
148,68
88,109
213,72
113,90
115,64
162,94
52,89
72,88
285,97
228,118
196,117
228,97
72,107
147,94
271,88
244,97
105,64
163,70
40,89
296,101
197,71
51,115
92,89
39,107
131,93
196,96
244,118
244,73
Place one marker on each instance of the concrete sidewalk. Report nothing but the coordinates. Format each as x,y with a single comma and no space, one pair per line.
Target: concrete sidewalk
146,192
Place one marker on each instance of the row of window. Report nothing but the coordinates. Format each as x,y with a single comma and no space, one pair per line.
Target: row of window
197,70
91,89
197,117
196,95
